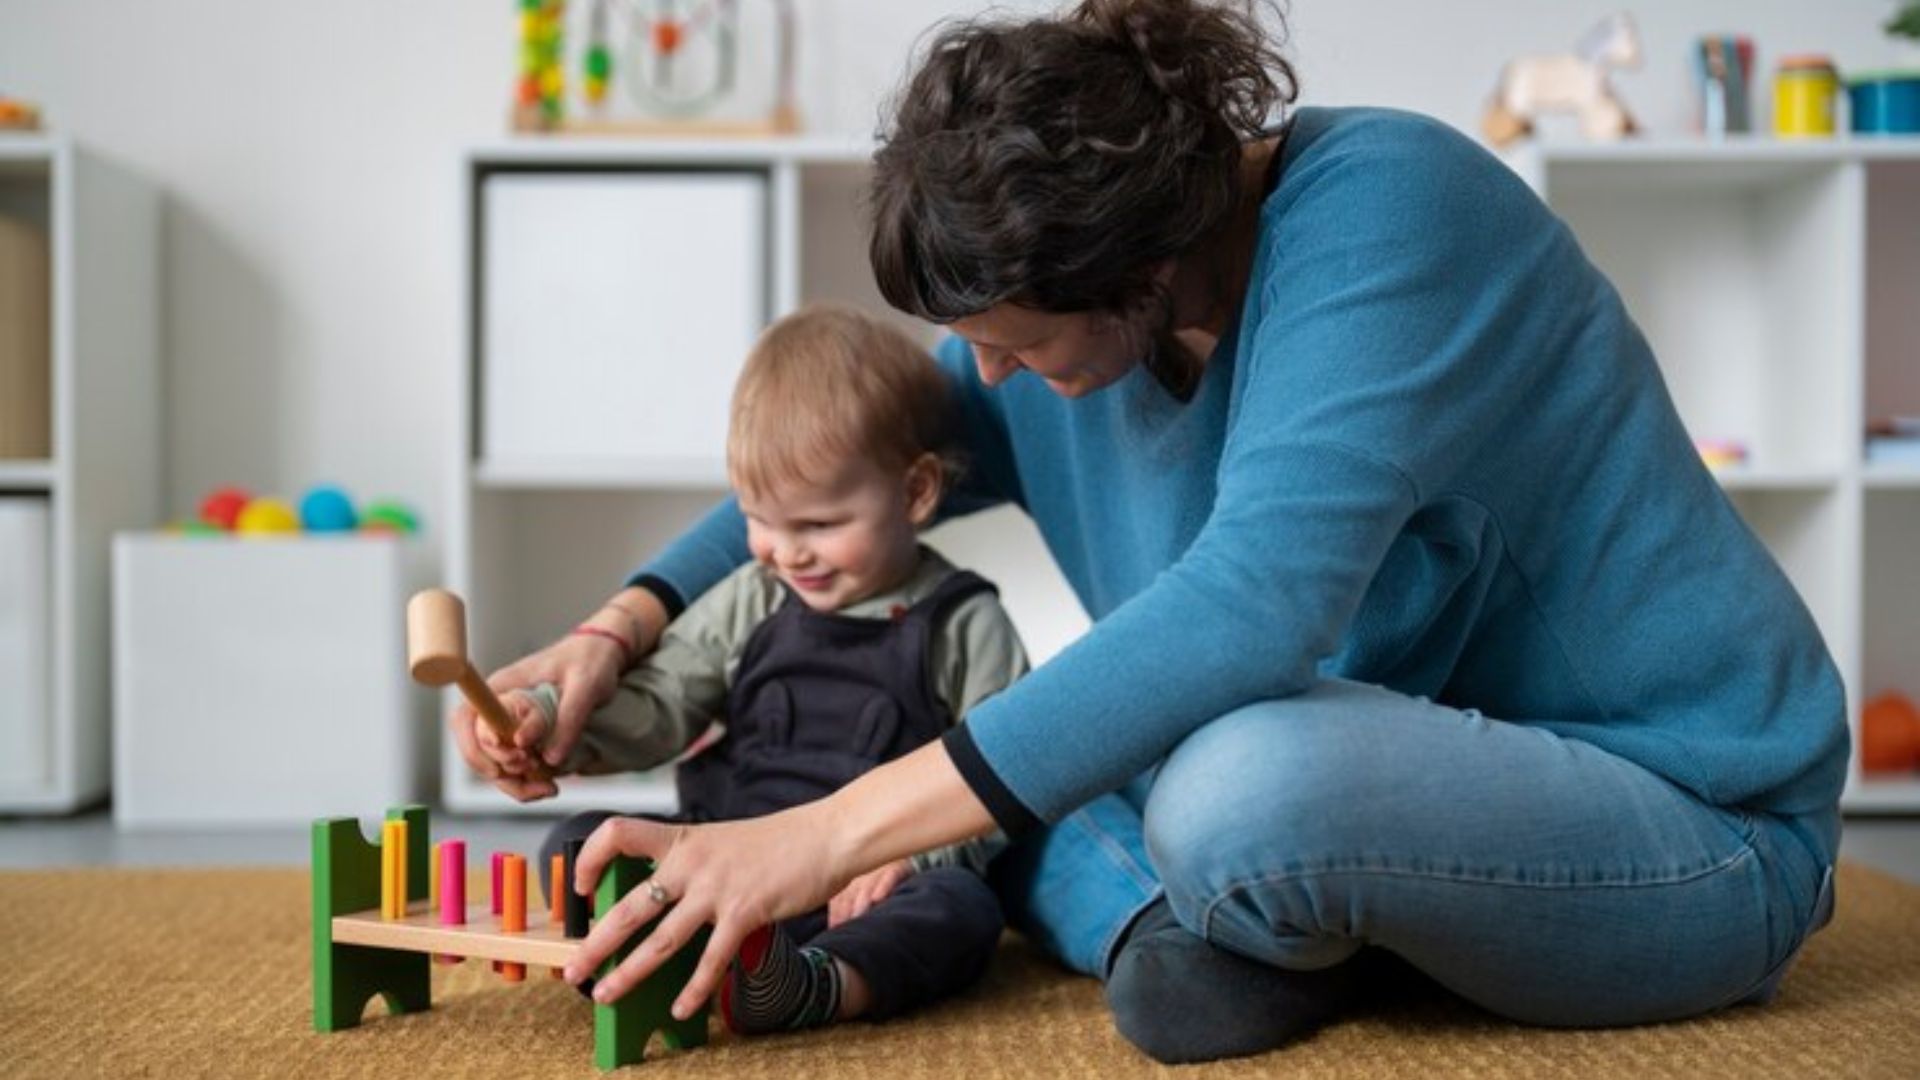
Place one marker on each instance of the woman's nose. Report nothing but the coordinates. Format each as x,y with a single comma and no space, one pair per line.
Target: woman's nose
994,367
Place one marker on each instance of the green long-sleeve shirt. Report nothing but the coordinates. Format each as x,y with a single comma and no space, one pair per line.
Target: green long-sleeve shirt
678,693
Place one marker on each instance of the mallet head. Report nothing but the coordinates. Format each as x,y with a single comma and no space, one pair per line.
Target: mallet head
436,637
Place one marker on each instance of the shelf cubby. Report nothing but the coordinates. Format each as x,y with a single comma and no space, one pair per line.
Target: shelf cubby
1774,281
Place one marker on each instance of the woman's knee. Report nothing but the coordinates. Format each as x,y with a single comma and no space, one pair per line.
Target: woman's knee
1275,779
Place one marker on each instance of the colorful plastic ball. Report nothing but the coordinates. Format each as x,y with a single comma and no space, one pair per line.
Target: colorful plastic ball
222,506
389,517
327,509
267,517
194,528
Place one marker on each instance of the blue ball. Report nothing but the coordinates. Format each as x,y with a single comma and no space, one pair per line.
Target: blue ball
327,509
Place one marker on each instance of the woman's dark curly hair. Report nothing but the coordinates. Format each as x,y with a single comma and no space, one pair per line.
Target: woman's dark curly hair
1055,162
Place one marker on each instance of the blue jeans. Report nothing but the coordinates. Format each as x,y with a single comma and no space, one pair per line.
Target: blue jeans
1535,875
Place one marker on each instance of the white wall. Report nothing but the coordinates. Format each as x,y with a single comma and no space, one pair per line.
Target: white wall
306,152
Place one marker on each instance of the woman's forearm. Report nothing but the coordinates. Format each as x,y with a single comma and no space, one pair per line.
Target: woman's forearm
913,804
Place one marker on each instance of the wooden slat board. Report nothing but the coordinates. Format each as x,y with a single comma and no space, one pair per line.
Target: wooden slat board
542,943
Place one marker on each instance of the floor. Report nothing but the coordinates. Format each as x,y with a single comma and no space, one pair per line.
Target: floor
1888,844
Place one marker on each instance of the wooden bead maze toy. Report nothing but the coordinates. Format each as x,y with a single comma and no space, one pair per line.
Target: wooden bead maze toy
380,915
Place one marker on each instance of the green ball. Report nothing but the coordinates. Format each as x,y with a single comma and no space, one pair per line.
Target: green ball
599,64
389,517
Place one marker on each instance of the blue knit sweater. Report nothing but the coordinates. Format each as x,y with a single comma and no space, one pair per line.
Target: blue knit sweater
1434,453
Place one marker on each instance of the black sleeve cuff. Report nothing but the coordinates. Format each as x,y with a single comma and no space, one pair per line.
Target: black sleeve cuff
668,596
1008,811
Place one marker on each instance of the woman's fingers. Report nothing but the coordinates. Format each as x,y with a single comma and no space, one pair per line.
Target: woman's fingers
525,788
463,723
614,837
722,946
585,682
621,836
681,923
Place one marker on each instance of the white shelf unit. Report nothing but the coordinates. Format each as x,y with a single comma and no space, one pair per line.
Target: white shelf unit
536,542
1776,281
104,474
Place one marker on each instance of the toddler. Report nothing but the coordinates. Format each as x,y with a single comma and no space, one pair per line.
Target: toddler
843,644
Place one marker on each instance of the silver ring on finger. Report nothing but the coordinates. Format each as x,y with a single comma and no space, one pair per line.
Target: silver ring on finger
657,892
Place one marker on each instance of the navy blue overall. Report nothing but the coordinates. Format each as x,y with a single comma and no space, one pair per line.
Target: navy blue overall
818,699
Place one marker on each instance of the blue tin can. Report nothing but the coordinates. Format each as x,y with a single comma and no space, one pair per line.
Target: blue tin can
1885,102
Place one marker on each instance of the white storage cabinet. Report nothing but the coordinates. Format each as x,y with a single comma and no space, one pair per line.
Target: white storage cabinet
262,682
102,469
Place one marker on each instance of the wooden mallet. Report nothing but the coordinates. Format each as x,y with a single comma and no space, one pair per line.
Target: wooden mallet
437,656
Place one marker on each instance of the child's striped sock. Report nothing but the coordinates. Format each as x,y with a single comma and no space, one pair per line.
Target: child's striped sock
775,985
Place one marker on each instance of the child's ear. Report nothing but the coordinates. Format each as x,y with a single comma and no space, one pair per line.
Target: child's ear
926,482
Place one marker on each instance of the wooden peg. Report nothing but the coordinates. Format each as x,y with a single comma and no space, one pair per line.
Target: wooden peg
437,656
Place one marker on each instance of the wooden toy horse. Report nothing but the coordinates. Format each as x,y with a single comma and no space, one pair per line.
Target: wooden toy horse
1576,81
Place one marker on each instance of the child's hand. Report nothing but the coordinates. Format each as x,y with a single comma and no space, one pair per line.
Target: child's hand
867,890
512,763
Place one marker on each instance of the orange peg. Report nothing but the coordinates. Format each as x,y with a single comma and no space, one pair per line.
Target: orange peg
513,909
557,897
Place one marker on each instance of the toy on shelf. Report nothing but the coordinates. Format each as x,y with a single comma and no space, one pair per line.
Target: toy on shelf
381,913
323,509
437,657
1723,70
1721,454
1806,89
18,115
388,517
266,516
537,102
1894,442
676,65
1578,82
1890,735
222,506
328,509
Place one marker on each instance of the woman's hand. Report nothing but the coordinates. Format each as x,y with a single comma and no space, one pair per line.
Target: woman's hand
741,875
585,668
867,890
734,876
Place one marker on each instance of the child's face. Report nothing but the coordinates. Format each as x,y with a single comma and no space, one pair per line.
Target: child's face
839,542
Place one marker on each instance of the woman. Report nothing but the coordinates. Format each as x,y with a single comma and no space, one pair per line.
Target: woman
1418,623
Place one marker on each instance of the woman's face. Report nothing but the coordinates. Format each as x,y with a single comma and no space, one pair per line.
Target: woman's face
1075,352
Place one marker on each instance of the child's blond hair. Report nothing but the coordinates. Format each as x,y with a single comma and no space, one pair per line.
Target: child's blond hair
829,383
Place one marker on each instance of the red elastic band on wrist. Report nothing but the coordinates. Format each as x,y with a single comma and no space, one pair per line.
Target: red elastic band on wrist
626,647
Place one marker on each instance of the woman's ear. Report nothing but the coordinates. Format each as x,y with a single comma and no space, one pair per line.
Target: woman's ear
926,483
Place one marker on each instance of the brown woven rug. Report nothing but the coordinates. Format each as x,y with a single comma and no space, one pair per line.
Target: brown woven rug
205,973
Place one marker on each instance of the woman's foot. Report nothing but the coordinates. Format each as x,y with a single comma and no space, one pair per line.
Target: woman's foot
775,985
1181,999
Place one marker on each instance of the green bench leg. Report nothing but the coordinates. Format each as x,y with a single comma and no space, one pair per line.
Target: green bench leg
346,879
621,1030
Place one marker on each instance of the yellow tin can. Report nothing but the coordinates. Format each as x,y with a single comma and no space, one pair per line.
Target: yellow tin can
1805,89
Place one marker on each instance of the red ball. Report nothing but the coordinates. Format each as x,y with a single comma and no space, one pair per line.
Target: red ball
222,507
